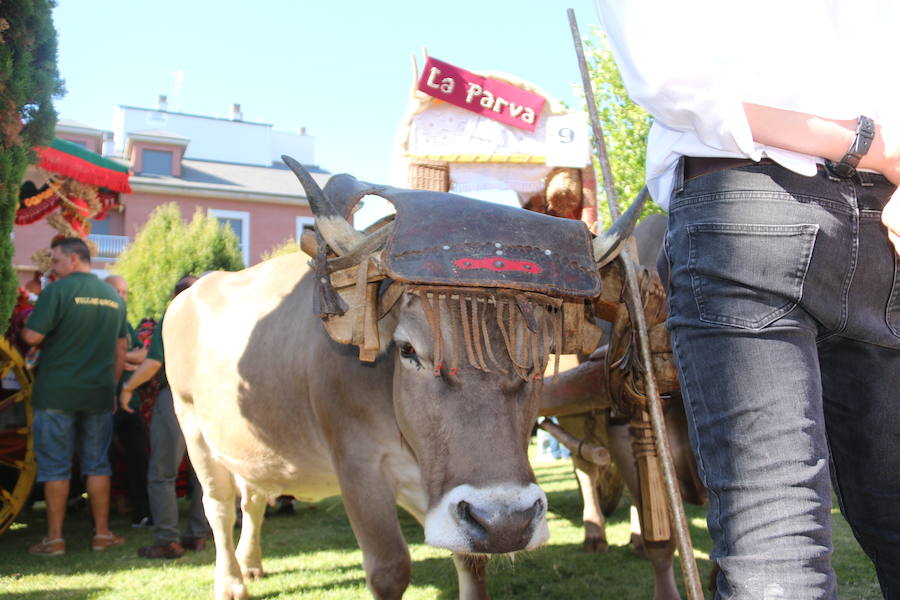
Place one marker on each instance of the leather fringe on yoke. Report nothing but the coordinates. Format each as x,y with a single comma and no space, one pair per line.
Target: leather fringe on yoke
527,338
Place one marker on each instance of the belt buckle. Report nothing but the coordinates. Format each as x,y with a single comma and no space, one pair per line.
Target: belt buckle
839,170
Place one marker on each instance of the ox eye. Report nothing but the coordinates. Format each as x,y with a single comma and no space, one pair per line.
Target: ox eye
407,350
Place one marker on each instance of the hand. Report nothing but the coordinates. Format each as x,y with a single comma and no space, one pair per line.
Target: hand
125,399
890,216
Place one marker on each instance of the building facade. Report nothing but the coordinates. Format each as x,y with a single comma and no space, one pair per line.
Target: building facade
229,168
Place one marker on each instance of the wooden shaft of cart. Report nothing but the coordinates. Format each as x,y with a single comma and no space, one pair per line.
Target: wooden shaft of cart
636,311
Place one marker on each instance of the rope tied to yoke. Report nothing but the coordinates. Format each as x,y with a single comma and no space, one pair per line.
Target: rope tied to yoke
528,337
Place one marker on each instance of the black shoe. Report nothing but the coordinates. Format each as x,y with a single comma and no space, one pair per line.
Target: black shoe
285,507
197,544
170,550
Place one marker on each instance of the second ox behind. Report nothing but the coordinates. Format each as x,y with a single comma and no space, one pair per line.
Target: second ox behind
405,369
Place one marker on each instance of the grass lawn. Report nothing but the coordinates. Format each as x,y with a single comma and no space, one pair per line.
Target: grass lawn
313,554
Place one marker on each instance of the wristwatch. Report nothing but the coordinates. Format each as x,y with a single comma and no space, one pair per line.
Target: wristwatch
865,133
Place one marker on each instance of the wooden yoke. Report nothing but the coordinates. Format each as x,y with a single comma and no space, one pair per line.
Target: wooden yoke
626,384
357,286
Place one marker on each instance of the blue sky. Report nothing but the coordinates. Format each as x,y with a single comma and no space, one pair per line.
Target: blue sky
340,69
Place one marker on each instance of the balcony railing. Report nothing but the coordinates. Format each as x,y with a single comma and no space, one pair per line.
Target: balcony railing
108,246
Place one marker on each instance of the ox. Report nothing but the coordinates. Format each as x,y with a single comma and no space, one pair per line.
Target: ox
587,384
270,404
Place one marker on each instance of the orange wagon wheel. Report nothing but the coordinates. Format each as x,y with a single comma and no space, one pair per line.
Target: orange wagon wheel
17,465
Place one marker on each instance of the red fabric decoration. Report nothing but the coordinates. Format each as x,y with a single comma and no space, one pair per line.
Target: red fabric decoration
80,206
79,169
78,225
32,214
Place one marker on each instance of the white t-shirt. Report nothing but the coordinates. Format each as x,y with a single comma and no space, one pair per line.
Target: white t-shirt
691,63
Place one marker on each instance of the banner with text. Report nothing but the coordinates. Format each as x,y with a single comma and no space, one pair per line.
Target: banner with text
490,98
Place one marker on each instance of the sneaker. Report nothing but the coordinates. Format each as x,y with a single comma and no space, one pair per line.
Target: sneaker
47,547
194,543
170,550
142,522
102,542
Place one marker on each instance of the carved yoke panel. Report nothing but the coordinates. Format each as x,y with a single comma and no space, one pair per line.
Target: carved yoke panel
444,239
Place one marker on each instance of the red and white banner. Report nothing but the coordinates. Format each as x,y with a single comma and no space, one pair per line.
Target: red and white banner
490,98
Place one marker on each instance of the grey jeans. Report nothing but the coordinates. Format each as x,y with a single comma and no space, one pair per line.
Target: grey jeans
167,449
785,322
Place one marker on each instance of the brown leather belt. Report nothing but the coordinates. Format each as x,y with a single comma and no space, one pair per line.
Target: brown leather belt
695,167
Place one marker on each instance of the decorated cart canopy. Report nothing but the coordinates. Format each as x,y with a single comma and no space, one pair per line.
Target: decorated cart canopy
69,187
466,131
72,185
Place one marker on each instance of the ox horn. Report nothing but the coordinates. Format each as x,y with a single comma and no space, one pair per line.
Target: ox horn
608,245
331,224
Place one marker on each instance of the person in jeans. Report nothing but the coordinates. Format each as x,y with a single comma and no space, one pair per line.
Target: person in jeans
775,148
167,450
79,322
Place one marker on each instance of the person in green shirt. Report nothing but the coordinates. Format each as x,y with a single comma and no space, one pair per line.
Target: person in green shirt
129,428
79,322
167,449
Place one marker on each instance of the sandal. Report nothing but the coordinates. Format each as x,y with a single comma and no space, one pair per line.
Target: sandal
47,547
102,542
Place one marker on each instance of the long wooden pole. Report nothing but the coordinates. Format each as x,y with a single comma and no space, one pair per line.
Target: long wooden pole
636,310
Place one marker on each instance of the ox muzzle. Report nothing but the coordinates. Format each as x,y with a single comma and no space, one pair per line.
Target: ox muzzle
493,520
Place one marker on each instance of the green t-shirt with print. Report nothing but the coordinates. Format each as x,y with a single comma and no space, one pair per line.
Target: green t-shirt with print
132,343
81,319
156,351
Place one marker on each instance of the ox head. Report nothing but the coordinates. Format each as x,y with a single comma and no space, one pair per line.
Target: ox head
468,368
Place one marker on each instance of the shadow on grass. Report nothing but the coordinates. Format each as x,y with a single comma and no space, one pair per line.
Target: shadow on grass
555,570
55,593
560,569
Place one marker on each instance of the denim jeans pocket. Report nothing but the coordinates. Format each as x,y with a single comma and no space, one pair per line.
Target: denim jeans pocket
747,275
893,308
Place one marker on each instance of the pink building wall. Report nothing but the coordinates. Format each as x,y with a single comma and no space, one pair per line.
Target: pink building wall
91,142
27,239
270,224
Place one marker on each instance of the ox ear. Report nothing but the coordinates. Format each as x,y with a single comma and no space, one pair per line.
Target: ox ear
330,223
608,245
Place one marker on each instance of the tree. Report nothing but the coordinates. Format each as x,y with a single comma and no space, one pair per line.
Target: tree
28,82
166,249
625,127
288,246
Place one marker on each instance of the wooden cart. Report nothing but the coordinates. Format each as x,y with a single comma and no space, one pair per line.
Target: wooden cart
17,464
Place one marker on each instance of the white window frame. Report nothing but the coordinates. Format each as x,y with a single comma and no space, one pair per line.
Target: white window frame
302,221
242,216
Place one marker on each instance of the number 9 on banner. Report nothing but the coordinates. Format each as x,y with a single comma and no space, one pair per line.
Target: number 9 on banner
567,141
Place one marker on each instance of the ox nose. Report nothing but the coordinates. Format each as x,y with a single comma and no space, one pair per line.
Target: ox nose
498,529
491,520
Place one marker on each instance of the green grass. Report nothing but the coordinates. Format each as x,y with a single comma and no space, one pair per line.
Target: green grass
313,554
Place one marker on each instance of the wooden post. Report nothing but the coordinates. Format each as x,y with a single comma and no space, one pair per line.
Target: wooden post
654,512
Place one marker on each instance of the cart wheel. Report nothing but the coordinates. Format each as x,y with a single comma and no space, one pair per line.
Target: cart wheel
17,466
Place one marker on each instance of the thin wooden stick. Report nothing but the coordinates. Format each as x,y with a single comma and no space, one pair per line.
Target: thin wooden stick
636,310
